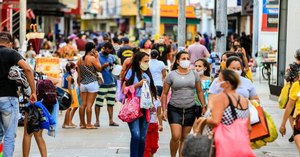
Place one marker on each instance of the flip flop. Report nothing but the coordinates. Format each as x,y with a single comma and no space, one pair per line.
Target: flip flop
82,127
113,124
91,127
97,125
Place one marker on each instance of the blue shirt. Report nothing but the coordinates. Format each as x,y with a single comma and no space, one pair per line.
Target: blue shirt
245,89
144,76
107,75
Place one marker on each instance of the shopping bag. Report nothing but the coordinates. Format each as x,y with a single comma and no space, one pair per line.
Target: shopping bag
272,129
254,118
131,108
119,95
259,130
284,95
146,99
1,149
233,140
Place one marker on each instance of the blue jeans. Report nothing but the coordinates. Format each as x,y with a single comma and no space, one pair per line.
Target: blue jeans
9,113
138,129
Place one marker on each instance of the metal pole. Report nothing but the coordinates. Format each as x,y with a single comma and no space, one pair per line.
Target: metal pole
156,17
255,27
221,24
181,23
138,18
23,6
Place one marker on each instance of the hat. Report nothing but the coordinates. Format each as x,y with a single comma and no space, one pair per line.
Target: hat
154,54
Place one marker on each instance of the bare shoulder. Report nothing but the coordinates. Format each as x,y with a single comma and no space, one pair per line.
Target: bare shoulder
220,98
244,102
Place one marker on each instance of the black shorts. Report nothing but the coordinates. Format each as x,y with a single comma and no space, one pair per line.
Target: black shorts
296,132
159,90
184,117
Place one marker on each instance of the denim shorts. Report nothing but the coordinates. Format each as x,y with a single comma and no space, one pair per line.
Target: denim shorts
90,88
184,117
159,90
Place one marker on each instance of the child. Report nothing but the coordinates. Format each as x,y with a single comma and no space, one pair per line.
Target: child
69,84
152,134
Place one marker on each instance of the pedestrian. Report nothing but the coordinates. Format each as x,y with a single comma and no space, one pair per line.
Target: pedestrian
197,51
246,88
146,45
136,76
127,64
88,65
291,77
155,125
69,84
228,106
164,50
68,51
125,51
181,108
30,56
107,90
9,102
202,68
158,71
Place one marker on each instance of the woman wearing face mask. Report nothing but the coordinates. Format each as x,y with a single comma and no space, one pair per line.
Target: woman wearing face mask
202,68
246,88
136,76
181,110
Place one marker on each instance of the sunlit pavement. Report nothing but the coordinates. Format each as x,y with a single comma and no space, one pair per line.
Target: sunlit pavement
114,141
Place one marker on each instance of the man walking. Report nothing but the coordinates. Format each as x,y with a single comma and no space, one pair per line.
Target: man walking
9,105
107,90
197,51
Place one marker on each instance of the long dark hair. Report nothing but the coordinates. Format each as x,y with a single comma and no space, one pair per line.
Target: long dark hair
136,71
88,48
206,65
178,55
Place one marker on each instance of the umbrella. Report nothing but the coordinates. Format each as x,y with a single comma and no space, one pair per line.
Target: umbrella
35,38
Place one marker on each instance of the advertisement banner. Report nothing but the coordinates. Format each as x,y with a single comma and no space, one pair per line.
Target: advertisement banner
270,18
49,66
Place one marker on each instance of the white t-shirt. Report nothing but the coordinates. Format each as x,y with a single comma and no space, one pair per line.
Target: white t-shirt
156,67
153,111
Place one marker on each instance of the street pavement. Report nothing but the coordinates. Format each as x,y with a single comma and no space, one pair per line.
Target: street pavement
114,141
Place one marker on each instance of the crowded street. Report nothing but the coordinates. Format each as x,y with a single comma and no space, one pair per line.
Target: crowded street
149,78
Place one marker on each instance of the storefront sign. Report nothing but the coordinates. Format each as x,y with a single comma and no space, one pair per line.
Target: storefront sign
270,18
172,11
49,66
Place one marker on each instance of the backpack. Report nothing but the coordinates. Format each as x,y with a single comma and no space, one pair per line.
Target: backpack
284,95
46,91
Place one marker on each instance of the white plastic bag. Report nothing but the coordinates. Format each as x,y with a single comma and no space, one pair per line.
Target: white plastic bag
254,118
146,99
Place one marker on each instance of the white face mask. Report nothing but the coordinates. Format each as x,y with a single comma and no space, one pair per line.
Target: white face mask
185,64
239,72
219,83
144,66
200,72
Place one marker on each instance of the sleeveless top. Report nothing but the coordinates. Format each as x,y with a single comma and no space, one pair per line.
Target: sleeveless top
231,112
88,74
205,84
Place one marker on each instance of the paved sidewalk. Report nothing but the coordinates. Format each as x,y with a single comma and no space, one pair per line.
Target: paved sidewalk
114,141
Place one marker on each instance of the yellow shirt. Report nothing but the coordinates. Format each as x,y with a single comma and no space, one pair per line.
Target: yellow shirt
295,95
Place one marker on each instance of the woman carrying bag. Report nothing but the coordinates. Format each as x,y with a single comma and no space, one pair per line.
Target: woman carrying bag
136,77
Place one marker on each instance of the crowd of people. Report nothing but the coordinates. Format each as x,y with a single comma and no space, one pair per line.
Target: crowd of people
185,91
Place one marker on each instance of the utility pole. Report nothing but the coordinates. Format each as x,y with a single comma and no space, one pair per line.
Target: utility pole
156,18
255,27
138,18
23,8
181,23
221,25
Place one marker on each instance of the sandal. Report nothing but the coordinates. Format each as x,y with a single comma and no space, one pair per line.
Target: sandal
113,124
91,127
97,124
82,126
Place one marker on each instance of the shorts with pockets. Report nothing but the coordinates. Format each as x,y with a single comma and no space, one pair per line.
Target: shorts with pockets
90,88
183,117
107,92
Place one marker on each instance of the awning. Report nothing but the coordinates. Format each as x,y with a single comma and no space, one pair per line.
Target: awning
46,7
168,20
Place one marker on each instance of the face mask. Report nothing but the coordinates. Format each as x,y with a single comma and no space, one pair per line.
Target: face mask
201,72
185,64
73,71
147,46
144,66
219,84
104,53
239,72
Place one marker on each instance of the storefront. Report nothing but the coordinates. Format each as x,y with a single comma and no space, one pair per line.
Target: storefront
169,21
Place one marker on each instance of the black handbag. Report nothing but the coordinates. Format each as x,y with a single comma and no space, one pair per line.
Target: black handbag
197,145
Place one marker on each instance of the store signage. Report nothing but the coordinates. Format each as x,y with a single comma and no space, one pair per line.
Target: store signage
49,66
270,19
